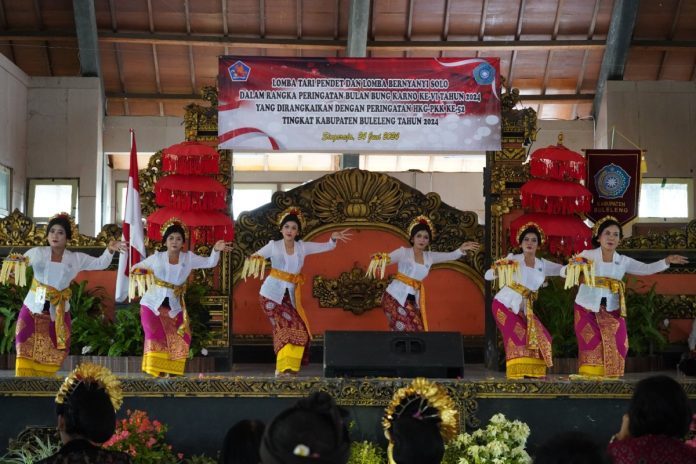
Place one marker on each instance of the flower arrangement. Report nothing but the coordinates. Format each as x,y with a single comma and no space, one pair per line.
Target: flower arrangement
579,265
505,270
501,442
142,439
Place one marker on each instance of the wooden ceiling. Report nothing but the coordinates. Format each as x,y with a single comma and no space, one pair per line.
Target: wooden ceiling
154,55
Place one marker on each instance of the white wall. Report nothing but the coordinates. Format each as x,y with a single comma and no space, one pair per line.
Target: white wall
657,116
64,128
152,133
13,127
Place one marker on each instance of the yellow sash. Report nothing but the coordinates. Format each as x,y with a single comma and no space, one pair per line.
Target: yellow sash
179,293
57,298
614,286
530,297
419,287
297,280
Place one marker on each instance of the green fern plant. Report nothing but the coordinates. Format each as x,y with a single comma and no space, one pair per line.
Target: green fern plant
554,308
643,319
32,452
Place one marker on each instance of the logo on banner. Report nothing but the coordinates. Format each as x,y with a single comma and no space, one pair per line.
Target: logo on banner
484,74
612,182
239,72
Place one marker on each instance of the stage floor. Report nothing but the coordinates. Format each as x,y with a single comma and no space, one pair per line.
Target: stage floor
472,373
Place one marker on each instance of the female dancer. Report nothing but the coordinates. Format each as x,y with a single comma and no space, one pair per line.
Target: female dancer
527,342
43,325
404,299
162,308
600,308
280,292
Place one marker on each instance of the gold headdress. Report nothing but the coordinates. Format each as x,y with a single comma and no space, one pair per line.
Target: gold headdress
428,396
295,211
173,221
598,224
529,225
92,373
73,227
422,220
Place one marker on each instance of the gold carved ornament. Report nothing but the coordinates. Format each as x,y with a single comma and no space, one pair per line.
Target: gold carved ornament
351,291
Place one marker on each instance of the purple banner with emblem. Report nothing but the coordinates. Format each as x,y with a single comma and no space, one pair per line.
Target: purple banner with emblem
613,177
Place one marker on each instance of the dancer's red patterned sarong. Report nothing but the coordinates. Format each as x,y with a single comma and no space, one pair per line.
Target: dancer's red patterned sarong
602,342
402,318
37,352
288,332
522,361
165,351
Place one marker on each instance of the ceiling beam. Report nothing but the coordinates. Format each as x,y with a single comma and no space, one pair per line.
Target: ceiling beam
87,39
160,38
623,21
358,22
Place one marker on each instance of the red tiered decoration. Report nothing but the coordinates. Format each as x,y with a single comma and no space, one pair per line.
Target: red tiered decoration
191,195
554,199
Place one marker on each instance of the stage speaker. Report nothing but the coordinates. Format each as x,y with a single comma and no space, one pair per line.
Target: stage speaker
393,354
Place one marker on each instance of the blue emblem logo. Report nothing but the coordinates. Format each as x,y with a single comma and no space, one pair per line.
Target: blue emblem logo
484,74
239,71
612,181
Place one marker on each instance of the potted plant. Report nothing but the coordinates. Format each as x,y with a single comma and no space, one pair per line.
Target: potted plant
645,329
554,308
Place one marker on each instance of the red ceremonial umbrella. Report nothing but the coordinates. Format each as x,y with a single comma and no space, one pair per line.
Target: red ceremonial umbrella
565,235
557,162
190,192
204,226
555,196
190,158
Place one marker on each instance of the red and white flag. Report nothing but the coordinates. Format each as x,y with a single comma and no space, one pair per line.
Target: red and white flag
132,227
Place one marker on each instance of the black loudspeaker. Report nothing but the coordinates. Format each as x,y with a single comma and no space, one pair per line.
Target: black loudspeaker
393,354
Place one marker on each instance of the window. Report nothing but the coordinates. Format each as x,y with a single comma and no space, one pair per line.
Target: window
666,199
5,190
247,196
52,196
121,188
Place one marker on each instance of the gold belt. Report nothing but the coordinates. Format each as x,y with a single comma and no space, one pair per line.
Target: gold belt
297,280
179,293
57,298
614,286
420,288
530,297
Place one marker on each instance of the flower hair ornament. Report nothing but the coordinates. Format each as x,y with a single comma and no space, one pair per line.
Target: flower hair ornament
530,225
173,221
432,403
292,211
92,373
422,220
598,224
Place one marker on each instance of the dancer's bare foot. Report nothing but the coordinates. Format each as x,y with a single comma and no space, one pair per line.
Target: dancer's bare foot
287,373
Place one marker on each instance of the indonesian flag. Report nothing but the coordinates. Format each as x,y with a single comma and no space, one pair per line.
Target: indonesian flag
132,227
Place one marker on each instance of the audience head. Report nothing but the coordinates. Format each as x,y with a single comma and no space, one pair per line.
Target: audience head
571,448
418,421
242,443
659,406
87,402
312,431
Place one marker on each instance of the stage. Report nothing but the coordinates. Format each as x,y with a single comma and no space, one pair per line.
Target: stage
199,408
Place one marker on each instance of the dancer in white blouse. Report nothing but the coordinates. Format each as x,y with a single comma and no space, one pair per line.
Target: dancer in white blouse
600,310
527,342
162,308
404,299
44,323
280,292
